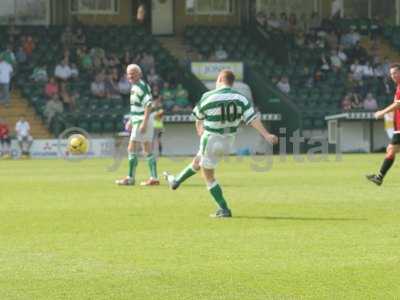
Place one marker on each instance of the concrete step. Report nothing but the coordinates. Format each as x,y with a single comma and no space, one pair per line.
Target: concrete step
175,45
19,106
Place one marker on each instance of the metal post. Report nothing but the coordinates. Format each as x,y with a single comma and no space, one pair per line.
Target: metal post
342,8
397,12
369,9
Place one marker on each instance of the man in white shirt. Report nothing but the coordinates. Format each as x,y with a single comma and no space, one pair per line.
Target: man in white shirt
6,71
283,85
336,8
63,70
24,137
220,53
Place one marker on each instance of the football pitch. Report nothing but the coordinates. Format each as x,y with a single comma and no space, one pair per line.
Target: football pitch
301,230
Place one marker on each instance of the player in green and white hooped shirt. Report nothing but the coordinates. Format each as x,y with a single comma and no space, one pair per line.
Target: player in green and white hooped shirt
218,115
141,127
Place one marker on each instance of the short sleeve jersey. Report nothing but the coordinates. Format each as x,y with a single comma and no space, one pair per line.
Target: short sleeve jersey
396,118
223,109
140,99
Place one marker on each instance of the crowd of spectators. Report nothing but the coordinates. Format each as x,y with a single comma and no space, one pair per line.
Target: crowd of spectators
341,53
102,70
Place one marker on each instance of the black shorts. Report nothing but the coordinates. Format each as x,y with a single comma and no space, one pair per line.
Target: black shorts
395,139
6,140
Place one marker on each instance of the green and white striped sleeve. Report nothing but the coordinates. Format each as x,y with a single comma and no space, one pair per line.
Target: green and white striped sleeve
198,113
249,114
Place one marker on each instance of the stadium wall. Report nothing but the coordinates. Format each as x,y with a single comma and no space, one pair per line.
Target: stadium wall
124,16
182,19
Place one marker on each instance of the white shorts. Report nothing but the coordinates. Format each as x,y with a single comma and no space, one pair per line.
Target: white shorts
136,136
26,138
213,147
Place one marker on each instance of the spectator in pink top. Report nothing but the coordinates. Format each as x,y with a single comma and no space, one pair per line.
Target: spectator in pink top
51,88
370,103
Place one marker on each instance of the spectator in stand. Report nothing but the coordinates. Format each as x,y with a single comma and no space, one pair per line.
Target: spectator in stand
147,62
111,87
182,103
355,37
336,62
318,77
9,56
113,61
97,64
51,88
5,139
347,40
261,18
20,55
368,71
53,107
67,37
315,21
168,96
351,83
324,63
379,71
220,53
355,101
6,71
28,46
272,21
79,38
359,53
24,137
283,85
283,22
124,86
63,71
97,52
68,98
126,59
346,103
357,70
342,55
39,74
386,65
67,54
74,72
300,39
332,39
153,78
97,87
370,103
84,59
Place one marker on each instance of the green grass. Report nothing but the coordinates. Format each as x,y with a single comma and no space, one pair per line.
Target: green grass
300,231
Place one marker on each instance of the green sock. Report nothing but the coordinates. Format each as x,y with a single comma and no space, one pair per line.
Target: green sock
185,174
216,192
133,162
151,160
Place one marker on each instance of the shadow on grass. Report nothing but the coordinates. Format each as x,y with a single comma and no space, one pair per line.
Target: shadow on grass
298,218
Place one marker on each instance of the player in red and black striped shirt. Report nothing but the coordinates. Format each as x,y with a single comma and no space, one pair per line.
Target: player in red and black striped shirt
394,146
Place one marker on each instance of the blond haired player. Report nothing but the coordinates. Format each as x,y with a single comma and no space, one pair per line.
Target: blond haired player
141,127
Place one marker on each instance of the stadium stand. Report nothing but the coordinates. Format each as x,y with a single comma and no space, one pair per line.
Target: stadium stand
76,57
319,64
